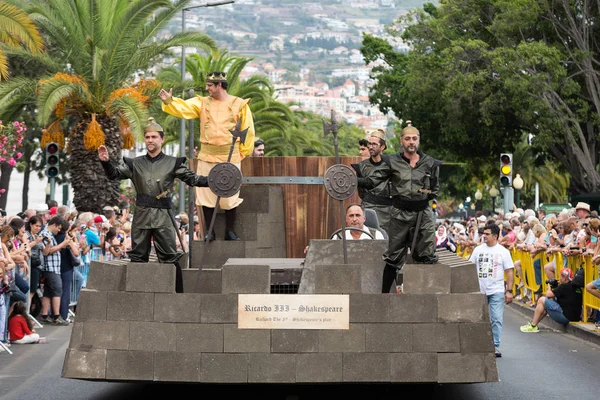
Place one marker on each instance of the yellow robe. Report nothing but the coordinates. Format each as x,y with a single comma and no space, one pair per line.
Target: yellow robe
217,118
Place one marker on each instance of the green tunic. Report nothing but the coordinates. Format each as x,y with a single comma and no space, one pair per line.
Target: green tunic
411,190
377,198
152,218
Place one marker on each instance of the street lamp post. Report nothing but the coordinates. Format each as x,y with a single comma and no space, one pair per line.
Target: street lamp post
518,185
182,121
493,194
478,197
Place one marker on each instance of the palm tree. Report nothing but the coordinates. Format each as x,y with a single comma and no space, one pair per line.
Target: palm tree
103,43
16,31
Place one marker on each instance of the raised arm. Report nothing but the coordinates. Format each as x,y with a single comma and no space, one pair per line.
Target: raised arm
188,176
122,171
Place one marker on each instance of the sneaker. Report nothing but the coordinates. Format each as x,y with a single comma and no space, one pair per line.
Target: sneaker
60,322
529,328
497,353
46,320
42,340
399,289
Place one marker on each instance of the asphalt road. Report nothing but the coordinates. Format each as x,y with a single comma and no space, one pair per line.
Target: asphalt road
546,365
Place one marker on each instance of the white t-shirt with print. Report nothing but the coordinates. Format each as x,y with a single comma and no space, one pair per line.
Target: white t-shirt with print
491,263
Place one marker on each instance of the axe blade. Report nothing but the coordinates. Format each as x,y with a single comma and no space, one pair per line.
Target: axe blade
236,132
327,127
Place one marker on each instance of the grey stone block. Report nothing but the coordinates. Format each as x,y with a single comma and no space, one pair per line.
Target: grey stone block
388,338
246,279
337,279
217,252
177,367
154,336
272,368
122,365
91,305
209,280
224,368
342,341
219,309
413,308
464,278
461,307
76,335
369,308
246,340
106,334
129,306
476,338
461,368
177,307
436,337
256,199
150,278
106,277
294,341
414,367
269,235
245,226
85,364
366,367
319,367
255,251
426,279
490,368
201,338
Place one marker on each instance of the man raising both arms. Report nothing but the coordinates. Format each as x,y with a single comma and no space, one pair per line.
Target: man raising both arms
218,112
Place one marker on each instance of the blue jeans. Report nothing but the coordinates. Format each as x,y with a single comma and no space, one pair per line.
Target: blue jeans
555,311
537,268
65,298
496,304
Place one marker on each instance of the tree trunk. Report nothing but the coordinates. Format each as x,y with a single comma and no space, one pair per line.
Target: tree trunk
25,192
91,188
5,171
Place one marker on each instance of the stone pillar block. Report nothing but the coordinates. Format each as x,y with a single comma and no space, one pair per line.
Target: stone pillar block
246,340
91,305
224,368
389,338
319,367
463,308
464,278
272,368
246,279
426,279
106,277
150,278
112,335
152,336
476,338
341,341
462,368
413,307
436,337
209,281
130,306
124,365
366,367
294,341
217,252
414,367
177,307
369,308
337,279
85,364
219,309
177,367
200,338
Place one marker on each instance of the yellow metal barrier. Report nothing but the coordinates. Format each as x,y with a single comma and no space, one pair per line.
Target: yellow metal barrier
589,301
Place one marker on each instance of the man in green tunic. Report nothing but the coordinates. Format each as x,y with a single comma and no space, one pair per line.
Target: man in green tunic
153,176
413,177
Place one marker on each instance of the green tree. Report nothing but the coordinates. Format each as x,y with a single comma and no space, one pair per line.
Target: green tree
99,45
479,74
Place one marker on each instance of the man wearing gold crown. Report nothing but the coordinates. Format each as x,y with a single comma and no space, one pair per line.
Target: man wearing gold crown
218,112
153,176
378,198
413,177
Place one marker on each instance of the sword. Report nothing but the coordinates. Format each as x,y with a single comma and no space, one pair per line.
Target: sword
236,133
170,212
333,128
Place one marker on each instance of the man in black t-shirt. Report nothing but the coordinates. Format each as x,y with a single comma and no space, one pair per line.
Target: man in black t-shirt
562,304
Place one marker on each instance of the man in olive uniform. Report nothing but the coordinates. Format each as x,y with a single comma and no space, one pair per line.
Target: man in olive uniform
413,177
153,176
378,198
218,112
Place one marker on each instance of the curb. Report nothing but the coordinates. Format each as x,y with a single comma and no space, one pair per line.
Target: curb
586,331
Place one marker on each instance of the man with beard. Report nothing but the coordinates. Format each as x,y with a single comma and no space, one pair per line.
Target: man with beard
413,177
153,176
378,198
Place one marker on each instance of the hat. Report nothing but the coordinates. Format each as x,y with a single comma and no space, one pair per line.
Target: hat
108,208
482,218
216,77
100,219
41,209
153,126
409,130
52,210
258,142
379,134
567,272
583,206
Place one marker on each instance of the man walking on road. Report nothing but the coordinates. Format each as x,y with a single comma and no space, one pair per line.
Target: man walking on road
218,113
492,261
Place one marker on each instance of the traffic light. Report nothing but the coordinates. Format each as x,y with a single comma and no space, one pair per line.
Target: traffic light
434,206
506,169
52,160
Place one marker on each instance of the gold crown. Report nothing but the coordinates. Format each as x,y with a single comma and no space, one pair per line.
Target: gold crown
153,126
217,77
378,133
409,129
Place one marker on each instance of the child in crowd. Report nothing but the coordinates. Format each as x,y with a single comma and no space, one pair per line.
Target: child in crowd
20,327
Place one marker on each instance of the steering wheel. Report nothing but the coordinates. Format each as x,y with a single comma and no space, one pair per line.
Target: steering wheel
349,228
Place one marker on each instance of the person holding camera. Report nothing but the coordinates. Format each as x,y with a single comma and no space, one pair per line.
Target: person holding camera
562,302
33,226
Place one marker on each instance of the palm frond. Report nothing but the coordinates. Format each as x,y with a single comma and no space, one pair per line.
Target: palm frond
53,91
132,111
14,94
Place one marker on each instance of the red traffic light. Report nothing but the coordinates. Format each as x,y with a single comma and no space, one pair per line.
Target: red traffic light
52,148
505,159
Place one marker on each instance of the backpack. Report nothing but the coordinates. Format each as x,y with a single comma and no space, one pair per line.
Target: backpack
579,278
